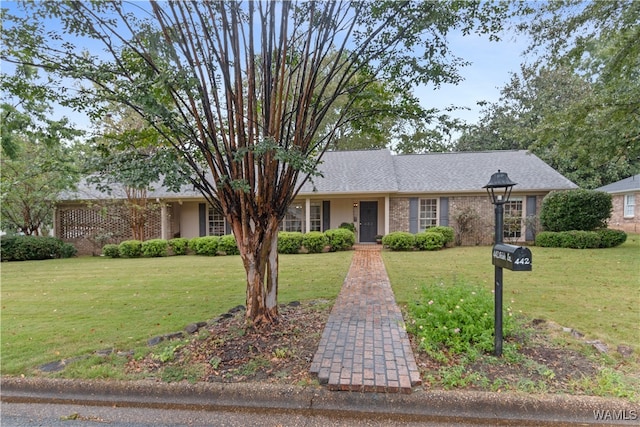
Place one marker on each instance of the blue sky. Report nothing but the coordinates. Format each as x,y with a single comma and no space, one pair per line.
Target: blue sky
492,64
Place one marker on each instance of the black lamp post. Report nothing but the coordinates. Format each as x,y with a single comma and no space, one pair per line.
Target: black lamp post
499,190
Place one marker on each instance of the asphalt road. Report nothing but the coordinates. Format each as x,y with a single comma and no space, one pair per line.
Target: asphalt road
62,415
68,403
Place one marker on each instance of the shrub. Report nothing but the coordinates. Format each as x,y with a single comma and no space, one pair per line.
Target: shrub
289,242
27,248
580,239
399,241
179,245
549,239
193,244
448,233
155,248
349,226
67,250
130,249
340,239
111,251
583,210
228,245
205,245
429,241
315,242
455,318
611,238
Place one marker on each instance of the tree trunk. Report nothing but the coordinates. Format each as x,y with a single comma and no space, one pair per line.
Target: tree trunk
259,252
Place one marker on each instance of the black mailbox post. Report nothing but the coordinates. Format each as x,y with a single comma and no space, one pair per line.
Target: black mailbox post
512,257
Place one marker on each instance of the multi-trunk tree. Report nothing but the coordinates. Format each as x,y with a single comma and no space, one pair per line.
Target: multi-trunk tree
241,90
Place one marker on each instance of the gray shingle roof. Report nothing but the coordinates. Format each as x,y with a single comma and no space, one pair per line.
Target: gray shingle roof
624,185
370,171
378,171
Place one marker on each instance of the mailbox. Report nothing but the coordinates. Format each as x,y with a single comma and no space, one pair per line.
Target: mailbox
511,257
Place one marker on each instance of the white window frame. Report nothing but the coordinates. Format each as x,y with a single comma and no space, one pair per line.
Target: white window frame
294,220
629,205
427,218
216,223
507,232
315,216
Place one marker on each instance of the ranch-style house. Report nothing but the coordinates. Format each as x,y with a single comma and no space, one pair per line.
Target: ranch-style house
377,191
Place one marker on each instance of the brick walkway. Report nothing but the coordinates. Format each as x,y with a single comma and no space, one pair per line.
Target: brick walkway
364,346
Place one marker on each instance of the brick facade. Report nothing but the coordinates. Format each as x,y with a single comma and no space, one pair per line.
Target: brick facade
398,214
618,220
90,226
472,218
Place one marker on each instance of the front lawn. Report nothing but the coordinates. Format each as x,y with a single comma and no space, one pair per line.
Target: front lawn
594,291
58,309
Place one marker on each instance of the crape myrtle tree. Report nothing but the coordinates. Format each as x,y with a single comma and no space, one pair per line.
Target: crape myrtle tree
241,89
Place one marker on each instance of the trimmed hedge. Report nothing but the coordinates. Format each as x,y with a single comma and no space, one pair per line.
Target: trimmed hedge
289,242
582,210
340,239
448,233
611,238
29,248
179,245
314,242
580,239
399,241
429,240
111,250
155,248
206,245
130,249
228,245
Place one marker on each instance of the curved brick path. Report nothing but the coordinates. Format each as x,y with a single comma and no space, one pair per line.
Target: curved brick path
364,346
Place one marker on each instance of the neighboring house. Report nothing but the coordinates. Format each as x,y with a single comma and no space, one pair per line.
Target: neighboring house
376,191
625,195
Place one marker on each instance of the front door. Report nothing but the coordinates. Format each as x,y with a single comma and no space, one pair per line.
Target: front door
368,221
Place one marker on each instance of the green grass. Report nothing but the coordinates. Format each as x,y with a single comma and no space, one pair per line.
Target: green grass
595,291
58,309
64,308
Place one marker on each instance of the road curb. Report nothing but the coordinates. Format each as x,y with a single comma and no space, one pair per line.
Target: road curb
466,406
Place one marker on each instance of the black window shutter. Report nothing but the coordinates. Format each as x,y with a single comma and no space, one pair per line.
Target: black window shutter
202,214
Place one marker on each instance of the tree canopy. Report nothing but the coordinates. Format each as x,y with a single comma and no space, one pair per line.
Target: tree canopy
578,105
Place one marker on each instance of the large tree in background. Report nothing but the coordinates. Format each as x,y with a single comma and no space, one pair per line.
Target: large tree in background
578,105
126,152
36,161
241,89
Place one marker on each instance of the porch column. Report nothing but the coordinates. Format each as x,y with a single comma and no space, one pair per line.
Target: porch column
307,215
164,221
386,215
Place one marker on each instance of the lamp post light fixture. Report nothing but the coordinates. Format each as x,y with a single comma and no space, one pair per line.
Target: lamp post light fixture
499,190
